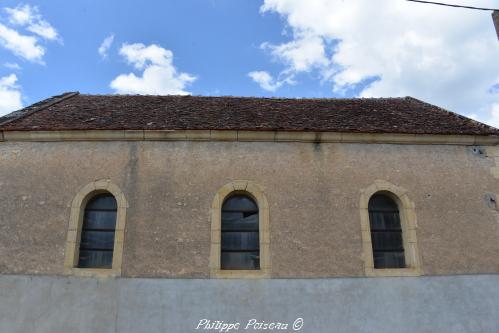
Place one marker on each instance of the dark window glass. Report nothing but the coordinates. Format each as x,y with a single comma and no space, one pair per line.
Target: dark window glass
386,232
240,234
240,260
244,241
97,233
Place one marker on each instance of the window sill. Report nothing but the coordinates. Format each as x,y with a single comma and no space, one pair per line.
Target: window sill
93,272
410,271
240,274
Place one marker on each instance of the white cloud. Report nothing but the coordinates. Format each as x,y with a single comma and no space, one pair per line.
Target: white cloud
29,16
12,65
159,76
141,56
493,119
23,46
443,55
267,82
105,45
302,54
45,30
10,95
21,15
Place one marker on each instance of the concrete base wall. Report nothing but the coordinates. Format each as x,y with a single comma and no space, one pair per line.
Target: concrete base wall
421,304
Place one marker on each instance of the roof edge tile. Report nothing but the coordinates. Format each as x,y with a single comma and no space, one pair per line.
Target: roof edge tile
460,116
30,109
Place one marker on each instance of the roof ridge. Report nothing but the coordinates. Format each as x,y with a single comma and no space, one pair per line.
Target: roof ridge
250,97
457,115
42,105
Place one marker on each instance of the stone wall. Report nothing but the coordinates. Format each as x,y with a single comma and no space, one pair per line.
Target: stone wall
313,191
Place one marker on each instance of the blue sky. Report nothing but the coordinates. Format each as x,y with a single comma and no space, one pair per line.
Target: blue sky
217,41
290,48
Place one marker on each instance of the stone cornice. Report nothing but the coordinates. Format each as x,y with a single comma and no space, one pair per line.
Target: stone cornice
250,136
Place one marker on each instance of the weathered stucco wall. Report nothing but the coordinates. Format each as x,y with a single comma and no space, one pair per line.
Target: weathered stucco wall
409,304
313,192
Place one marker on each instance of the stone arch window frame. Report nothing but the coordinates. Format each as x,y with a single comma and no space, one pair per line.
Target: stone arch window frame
408,223
78,205
255,192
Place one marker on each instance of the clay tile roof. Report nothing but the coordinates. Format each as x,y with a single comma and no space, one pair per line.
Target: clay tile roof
74,111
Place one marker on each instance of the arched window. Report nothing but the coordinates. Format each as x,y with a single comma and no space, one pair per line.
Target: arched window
240,242
98,232
386,232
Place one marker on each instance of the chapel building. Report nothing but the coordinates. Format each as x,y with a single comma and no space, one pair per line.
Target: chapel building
151,213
